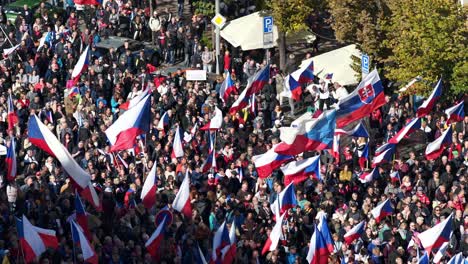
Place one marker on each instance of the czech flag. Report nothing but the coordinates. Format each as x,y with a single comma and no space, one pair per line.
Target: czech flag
12,117
164,121
34,240
429,103
210,161
79,238
368,96
354,233
182,200
285,200
363,156
82,64
454,114
395,176
434,237
267,162
413,125
220,240
424,259
435,148
441,252
384,157
177,148
325,232
358,131
293,88
227,87
152,244
367,177
256,83
329,76
305,73
299,171
229,251
135,121
335,152
273,239
314,135
42,137
382,210
133,102
129,199
81,216
215,122
10,161
241,102
148,192
318,251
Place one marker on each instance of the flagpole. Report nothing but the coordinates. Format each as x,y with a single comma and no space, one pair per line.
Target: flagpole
73,241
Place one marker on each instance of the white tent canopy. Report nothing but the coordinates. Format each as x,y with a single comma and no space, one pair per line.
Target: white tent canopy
337,62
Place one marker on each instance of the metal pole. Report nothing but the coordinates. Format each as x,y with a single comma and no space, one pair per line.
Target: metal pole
217,38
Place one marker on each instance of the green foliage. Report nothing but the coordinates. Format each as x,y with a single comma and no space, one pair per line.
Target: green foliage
290,15
206,41
204,8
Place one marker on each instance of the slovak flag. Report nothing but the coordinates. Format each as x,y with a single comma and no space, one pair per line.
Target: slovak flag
285,200
12,117
367,177
325,231
10,161
354,233
293,88
429,103
177,148
299,171
164,121
384,157
133,102
227,87
382,210
241,102
256,83
81,216
434,237
435,148
364,156
135,121
34,240
215,122
318,252
229,251
148,192
395,176
358,131
273,239
412,126
43,138
305,73
267,162
220,240
424,259
455,113
368,96
182,200
152,244
81,65
79,238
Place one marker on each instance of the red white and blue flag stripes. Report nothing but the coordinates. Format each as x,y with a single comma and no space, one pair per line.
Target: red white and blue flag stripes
227,87
363,156
304,74
34,240
148,192
273,239
434,237
267,162
354,233
367,177
81,216
229,251
384,157
358,131
325,231
12,117
286,200
215,122
435,148
182,201
429,103
153,243
81,65
10,160
318,251
293,88
456,113
299,171
412,126
134,101
424,259
382,210
79,239
221,239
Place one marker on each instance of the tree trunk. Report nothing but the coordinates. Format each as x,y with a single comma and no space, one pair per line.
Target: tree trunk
282,50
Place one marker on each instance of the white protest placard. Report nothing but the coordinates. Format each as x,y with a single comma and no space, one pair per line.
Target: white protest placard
195,75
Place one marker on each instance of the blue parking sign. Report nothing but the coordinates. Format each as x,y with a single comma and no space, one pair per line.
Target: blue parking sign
268,24
365,63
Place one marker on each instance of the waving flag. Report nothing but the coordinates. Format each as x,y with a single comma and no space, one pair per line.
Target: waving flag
363,156
358,131
318,251
182,200
73,91
133,102
229,251
367,177
210,161
354,233
227,87
434,237
199,256
368,96
458,259
384,157
429,103
42,41
215,122
304,74
292,88
241,102
382,210
335,152
220,240
79,238
153,243
253,105
441,252
413,125
10,161
456,113
285,200
329,76
34,240
424,259
177,148
395,176
435,148
299,171
325,232
314,135
164,121
42,137
267,162
81,65
273,239
148,192
12,117
9,51
81,216
256,83
381,149
135,121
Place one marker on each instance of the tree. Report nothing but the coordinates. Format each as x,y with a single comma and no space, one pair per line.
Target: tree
289,16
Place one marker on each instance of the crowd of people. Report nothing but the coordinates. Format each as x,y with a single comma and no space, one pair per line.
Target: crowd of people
426,194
